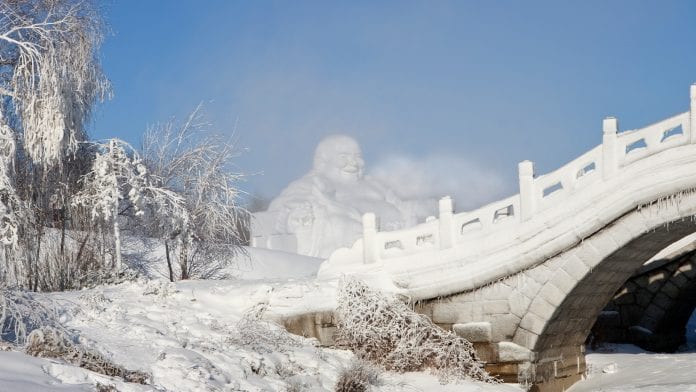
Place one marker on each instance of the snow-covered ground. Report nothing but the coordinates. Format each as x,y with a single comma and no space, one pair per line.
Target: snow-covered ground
20,372
205,336
627,368
201,335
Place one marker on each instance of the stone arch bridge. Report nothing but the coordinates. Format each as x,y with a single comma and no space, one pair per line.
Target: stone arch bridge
527,277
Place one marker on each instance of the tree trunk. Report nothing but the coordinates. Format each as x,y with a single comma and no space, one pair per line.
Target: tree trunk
183,261
62,232
34,285
169,261
117,240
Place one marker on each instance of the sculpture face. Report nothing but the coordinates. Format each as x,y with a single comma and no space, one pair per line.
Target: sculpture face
339,158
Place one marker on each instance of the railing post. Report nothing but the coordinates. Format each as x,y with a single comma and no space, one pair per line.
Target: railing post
610,162
369,222
446,222
527,189
692,117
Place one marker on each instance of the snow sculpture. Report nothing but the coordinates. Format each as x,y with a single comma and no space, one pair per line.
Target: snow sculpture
322,211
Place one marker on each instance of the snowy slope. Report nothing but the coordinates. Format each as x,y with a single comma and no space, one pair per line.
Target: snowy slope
193,336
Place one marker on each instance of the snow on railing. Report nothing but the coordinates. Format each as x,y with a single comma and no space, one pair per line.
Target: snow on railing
618,150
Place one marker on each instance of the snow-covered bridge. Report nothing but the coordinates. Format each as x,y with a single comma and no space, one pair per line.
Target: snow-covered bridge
526,277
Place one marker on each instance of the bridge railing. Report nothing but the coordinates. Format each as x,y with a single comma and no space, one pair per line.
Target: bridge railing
618,150
638,144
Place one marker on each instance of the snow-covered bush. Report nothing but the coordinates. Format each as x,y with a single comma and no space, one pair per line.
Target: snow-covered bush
262,336
49,342
20,314
385,331
358,377
198,164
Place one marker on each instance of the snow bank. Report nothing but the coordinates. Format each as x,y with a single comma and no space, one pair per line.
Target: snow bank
20,372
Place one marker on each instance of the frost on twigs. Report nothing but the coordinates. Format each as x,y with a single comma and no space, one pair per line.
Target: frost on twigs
383,330
20,314
358,377
262,336
9,202
51,343
51,72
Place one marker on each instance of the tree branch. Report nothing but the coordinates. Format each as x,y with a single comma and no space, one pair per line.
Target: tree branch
6,92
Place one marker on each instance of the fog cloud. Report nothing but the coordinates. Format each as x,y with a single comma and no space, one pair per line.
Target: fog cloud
469,183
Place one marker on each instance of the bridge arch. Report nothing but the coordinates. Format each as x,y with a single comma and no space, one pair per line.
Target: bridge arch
560,317
653,308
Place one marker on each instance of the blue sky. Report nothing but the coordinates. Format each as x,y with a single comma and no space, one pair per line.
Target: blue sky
483,84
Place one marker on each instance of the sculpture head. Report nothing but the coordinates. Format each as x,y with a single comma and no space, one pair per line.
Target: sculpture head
339,158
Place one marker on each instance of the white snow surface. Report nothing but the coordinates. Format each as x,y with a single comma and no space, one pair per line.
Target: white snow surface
626,368
191,336
20,372
195,335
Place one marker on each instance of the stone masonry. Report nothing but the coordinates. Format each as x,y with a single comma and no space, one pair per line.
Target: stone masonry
652,308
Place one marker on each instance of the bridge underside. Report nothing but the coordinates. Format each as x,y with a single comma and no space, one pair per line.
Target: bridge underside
652,308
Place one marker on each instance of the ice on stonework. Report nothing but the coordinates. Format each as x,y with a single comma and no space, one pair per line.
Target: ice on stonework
322,211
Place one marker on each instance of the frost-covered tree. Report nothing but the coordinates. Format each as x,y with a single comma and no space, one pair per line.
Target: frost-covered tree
119,180
50,78
198,164
50,75
9,203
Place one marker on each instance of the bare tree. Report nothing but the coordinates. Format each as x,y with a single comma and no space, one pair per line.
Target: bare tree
198,164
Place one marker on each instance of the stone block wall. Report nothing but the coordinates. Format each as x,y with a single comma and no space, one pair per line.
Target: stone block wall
652,308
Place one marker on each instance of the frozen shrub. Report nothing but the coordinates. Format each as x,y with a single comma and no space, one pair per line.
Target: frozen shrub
20,313
51,343
385,331
262,336
357,377
295,385
105,388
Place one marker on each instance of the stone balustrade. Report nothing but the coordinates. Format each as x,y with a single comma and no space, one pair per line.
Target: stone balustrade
537,193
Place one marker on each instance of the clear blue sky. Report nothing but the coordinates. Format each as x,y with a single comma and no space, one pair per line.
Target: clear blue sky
494,82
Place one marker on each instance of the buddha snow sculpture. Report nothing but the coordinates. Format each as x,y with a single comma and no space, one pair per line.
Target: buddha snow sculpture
322,211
